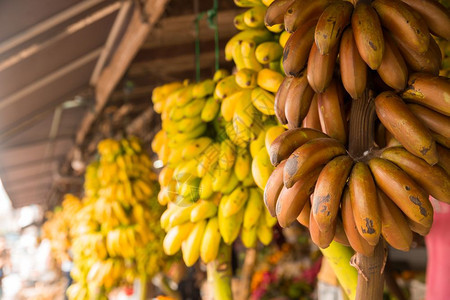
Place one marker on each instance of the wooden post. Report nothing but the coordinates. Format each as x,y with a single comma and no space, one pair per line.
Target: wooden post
246,275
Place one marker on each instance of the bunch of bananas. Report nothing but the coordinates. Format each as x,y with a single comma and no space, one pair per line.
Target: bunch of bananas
57,227
338,51
116,235
207,182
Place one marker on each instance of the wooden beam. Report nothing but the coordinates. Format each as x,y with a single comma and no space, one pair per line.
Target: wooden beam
116,29
29,89
132,40
71,29
47,24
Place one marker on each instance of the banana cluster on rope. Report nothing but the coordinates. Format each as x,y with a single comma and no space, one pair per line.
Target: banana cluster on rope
336,52
57,227
116,235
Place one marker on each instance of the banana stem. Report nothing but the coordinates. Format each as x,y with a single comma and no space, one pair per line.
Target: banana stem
338,257
361,141
246,275
219,274
143,295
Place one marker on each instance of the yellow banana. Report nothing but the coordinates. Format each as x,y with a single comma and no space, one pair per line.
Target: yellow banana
191,246
229,227
249,237
203,88
248,48
246,78
268,52
210,109
253,209
243,164
234,202
211,241
269,80
254,17
203,209
261,168
263,101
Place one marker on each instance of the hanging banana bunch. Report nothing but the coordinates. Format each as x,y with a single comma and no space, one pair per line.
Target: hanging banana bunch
116,235
333,53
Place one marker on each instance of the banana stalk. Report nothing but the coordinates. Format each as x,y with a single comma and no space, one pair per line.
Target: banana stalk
338,257
219,273
361,137
143,295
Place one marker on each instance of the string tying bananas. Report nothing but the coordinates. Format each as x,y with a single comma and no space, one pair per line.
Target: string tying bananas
115,235
331,54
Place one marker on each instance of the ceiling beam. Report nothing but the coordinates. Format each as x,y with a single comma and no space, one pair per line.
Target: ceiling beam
35,142
114,34
47,24
61,72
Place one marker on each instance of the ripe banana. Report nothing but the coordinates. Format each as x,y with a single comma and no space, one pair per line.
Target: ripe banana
275,12
312,119
352,66
320,68
234,202
433,120
399,187
405,126
254,17
203,89
368,34
354,238
298,101
291,201
331,112
363,196
249,237
331,24
435,15
210,109
226,87
211,241
175,236
229,104
268,52
286,143
297,48
273,188
246,78
280,100
303,217
247,48
191,246
203,209
261,168
444,158
269,80
430,91
428,62
321,238
264,233
301,12
433,179
328,191
271,134
253,209
257,35
263,101
395,228
229,227
310,156
242,165
403,23
393,70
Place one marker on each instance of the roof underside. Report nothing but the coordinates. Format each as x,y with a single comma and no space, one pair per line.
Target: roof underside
53,54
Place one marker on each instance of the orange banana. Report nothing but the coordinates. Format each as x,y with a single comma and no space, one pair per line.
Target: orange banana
433,120
328,190
405,126
301,12
394,227
352,66
311,119
286,143
320,68
393,70
444,158
291,201
296,50
298,101
357,242
331,112
433,179
331,24
321,238
366,210
276,11
403,23
280,99
368,34
303,217
310,156
435,15
403,190
273,188
430,91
